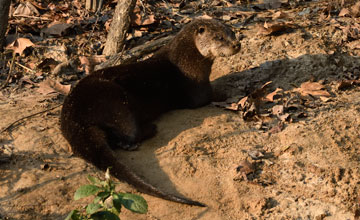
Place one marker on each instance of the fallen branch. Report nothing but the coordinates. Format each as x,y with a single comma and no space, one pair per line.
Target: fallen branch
29,116
9,73
25,67
135,53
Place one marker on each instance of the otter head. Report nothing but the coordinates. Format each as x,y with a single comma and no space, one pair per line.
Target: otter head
214,39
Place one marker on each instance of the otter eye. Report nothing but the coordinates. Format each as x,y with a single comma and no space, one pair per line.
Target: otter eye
201,30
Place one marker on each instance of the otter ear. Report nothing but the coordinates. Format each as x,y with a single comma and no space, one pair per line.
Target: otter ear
201,30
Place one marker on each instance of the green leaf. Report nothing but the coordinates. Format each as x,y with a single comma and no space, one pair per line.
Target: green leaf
134,203
73,215
86,190
117,202
93,180
92,208
102,196
104,215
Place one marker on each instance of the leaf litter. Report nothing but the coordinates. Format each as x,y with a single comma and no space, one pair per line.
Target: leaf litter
272,108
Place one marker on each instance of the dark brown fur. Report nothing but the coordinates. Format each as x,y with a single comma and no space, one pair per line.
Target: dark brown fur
115,107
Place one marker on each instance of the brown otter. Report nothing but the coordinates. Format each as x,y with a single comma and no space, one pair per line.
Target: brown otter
115,107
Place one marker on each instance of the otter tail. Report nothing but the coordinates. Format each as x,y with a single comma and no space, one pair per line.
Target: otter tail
98,152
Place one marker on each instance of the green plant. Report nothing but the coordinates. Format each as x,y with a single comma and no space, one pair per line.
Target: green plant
107,202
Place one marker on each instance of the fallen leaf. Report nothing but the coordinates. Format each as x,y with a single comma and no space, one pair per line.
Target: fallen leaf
355,10
19,45
37,5
269,29
88,63
273,4
149,20
50,86
313,89
25,9
354,44
279,15
325,99
250,112
273,95
138,19
56,28
47,65
243,169
277,128
243,101
344,12
284,117
278,110
345,84
255,154
301,115
229,106
260,93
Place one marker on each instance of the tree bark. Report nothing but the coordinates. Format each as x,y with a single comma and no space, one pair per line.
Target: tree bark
119,27
4,16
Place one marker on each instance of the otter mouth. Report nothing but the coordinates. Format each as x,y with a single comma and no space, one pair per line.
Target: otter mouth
235,49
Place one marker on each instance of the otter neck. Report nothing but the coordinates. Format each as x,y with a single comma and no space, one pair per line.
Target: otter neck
183,53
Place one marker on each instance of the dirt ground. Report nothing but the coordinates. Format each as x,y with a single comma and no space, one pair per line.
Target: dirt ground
310,168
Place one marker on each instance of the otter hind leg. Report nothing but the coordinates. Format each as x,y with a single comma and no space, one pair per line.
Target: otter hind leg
128,134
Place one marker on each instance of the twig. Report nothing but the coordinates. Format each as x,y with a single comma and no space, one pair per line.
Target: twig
9,73
29,116
34,17
25,67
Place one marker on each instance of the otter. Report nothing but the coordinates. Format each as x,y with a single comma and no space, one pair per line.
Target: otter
115,107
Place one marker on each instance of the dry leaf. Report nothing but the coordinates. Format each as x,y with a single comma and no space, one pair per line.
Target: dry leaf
354,44
273,95
260,93
269,29
284,117
272,4
278,110
149,20
243,169
345,84
37,5
279,15
355,10
138,19
312,88
344,12
25,9
56,28
255,154
243,101
19,45
47,65
50,86
88,63
277,128
229,106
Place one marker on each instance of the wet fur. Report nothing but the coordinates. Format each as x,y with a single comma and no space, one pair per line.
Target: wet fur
115,107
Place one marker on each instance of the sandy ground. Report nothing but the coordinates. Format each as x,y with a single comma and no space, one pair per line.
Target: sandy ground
310,169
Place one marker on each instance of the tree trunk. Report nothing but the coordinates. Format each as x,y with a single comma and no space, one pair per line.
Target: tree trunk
4,16
119,27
